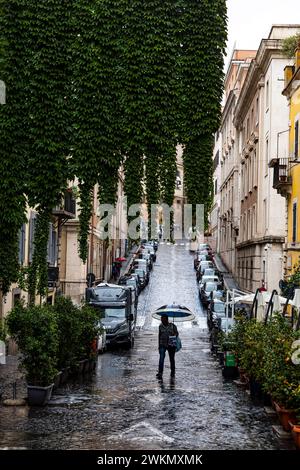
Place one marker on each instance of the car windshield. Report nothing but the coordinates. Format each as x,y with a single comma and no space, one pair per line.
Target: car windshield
113,312
219,308
109,292
209,272
210,287
140,272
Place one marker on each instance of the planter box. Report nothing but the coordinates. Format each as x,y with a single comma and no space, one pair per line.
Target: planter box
230,372
285,416
255,388
39,396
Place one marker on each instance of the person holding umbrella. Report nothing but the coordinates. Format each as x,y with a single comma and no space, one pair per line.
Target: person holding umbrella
167,337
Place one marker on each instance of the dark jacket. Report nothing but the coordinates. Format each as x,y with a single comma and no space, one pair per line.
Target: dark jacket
165,332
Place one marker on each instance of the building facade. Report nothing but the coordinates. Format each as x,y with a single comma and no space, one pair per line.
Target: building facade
215,211
261,118
229,183
287,168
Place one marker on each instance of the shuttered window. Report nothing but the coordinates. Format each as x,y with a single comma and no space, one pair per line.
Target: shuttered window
294,222
32,223
297,139
22,243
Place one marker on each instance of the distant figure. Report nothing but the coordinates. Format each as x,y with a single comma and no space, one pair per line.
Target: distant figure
114,271
166,342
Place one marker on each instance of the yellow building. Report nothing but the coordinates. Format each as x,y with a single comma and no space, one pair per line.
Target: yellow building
289,174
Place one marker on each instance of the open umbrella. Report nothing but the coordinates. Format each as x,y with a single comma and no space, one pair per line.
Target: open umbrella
178,313
120,260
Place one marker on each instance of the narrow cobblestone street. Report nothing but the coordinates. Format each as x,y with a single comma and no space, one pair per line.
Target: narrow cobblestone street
123,406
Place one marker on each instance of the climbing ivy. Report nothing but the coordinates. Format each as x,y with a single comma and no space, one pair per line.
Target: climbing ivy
92,85
12,137
203,37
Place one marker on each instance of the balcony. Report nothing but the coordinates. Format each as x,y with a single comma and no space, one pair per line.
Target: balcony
282,181
67,209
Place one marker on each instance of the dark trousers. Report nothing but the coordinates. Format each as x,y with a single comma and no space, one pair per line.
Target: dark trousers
162,355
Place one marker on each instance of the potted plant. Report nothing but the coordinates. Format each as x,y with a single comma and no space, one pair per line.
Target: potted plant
295,429
90,329
34,328
281,376
69,331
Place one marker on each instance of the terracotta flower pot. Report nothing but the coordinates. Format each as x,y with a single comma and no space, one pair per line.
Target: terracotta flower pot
296,435
285,416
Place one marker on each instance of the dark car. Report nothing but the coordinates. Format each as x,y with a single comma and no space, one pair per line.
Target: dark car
206,291
144,276
216,309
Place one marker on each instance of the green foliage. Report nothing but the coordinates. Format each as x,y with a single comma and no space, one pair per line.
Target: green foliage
35,331
90,328
3,330
52,337
265,351
69,332
38,270
203,37
289,45
93,85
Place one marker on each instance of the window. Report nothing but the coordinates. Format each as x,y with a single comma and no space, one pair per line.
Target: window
257,111
294,222
296,139
267,95
22,241
267,158
32,222
216,187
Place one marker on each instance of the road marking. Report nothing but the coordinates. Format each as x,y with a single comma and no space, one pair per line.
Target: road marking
138,431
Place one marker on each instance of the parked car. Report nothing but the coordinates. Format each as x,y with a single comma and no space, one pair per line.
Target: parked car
138,281
202,267
206,279
132,283
151,251
144,276
199,258
117,312
219,294
141,264
205,292
216,309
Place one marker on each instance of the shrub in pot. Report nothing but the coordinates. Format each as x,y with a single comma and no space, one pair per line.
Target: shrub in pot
69,324
281,377
90,329
34,328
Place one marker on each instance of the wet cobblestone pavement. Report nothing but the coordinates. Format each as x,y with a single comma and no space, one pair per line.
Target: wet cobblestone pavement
123,406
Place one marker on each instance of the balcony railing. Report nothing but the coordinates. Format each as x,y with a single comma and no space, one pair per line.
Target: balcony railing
67,208
282,180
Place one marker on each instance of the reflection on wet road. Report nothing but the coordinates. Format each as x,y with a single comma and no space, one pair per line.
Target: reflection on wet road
124,406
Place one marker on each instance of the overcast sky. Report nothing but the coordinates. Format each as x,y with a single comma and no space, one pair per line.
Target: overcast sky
251,20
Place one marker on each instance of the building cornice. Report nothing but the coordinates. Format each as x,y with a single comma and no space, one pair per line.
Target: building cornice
269,49
261,241
232,171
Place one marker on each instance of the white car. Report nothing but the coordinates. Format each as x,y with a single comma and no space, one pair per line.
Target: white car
205,279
